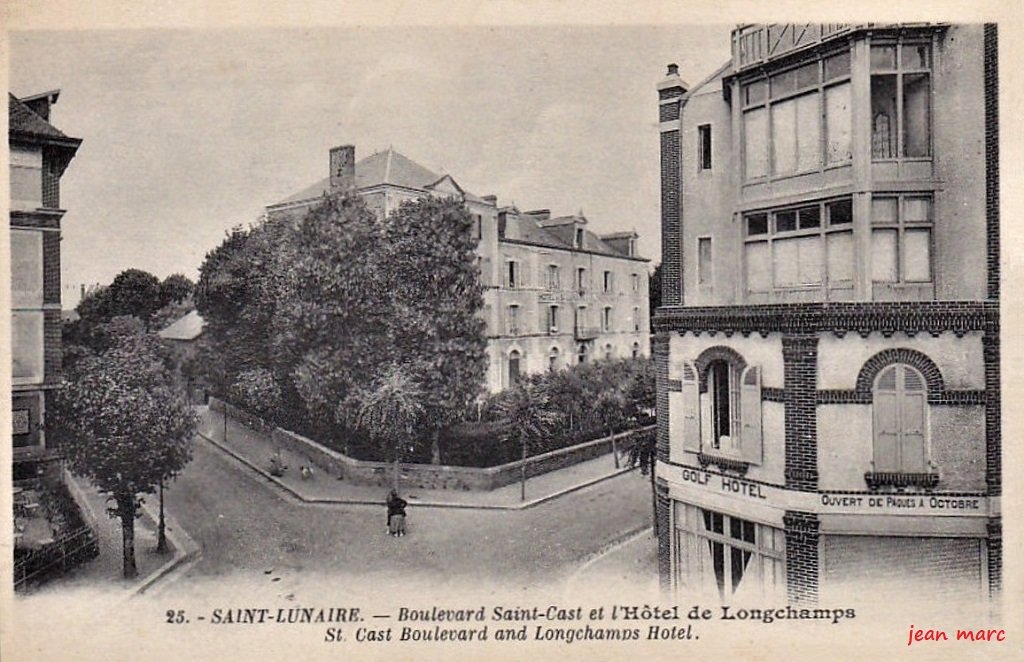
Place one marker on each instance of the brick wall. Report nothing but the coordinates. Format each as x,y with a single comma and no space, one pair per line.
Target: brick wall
660,352
802,562
51,267
992,157
671,220
665,536
800,361
51,347
995,556
993,416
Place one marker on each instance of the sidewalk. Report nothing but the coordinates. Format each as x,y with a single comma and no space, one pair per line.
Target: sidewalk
627,569
255,449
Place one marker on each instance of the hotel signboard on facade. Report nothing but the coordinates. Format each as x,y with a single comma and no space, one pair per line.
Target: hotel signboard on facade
715,489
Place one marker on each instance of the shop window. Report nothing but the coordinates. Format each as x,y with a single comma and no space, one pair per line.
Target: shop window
704,147
899,405
900,101
901,231
514,372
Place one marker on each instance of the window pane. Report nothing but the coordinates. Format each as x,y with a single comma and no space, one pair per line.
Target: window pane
786,261
755,91
783,83
808,118
755,132
883,58
837,123
918,255
917,209
840,257
757,224
759,270
883,256
917,56
810,217
26,268
811,262
784,136
916,115
884,210
785,221
883,117
840,212
837,66
807,75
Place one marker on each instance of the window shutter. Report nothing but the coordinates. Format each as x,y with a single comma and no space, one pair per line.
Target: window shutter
912,405
690,409
750,413
886,421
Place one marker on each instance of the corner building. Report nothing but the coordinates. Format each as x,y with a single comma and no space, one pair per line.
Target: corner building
828,347
555,293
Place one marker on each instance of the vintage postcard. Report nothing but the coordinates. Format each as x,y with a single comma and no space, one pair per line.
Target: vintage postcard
518,330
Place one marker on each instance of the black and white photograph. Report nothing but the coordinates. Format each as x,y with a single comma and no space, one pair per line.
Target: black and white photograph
513,330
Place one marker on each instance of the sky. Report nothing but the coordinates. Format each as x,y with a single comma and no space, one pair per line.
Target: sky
189,132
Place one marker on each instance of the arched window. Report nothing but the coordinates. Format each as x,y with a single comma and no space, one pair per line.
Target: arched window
609,352
553,359
636,350
899,398
581,352
723,401
513,367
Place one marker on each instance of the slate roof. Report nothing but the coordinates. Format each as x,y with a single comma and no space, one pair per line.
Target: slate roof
188,327
25,121
558,233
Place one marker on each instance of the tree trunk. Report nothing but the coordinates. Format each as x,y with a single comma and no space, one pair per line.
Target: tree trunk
435,446
161,540
126,511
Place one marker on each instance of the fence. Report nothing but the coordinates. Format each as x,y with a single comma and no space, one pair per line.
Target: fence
69,550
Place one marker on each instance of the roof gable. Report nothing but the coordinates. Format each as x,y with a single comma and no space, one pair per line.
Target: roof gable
24,120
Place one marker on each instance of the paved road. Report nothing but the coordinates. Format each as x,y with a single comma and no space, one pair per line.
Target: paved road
247,527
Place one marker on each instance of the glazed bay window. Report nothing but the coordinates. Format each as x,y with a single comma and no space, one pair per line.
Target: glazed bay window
901,232
786,116
900,101
800,251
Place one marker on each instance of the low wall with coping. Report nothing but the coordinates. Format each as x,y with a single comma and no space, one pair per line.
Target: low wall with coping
430,476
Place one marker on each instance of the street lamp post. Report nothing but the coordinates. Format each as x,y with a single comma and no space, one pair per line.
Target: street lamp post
161,541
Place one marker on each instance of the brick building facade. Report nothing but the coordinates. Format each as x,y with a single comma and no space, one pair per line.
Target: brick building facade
39,155
555,293
828,350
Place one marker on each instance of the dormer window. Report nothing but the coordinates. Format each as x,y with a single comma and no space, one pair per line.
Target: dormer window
579,237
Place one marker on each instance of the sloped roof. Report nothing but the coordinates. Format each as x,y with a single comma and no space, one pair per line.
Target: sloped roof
188,327
558,233
387,167
23,120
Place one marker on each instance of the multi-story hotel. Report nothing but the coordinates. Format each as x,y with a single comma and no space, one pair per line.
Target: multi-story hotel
828,350
555,292
39,154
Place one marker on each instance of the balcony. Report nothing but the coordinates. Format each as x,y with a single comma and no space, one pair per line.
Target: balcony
586,332
757,44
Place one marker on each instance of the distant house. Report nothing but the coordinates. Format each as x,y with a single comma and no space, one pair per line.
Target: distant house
183,332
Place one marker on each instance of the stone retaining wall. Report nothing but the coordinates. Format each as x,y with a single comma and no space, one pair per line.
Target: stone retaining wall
430,476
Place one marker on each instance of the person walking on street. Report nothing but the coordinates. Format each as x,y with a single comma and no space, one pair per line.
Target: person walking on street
396,514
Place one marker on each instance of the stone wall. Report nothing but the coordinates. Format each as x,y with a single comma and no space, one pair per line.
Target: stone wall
430,476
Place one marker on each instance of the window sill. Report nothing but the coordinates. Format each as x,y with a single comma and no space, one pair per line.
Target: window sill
877,479
726,464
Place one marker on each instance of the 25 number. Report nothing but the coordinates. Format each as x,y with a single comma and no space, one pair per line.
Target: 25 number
175,616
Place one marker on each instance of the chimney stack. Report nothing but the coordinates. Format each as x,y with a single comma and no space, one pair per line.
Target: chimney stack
343,168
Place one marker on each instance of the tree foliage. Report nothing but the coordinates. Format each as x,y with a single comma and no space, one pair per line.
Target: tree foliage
176,288
123,422
388,411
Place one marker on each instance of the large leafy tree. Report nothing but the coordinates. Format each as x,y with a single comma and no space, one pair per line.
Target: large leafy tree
388,411
433,282
124,423
330,332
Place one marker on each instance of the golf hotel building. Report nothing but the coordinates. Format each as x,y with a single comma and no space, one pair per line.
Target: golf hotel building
828,350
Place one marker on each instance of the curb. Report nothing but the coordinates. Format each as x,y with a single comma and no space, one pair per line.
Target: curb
185,549
613,545
427,504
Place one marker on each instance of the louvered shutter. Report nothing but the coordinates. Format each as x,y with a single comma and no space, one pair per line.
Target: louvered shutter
886,421
750,436
912,406
690,409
